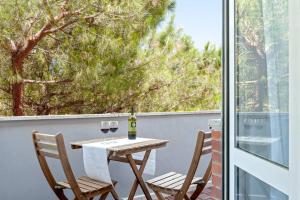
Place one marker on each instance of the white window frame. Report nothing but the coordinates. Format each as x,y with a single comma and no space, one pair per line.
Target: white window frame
281,178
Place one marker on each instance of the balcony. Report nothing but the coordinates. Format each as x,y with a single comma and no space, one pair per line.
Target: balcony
19,166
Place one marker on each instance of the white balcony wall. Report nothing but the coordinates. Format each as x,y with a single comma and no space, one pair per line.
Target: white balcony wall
22,178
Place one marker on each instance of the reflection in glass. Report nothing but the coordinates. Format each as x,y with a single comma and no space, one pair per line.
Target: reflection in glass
249,187
262,73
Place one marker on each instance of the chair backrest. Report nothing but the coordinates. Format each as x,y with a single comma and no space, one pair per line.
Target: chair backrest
203,146
207,149
52,146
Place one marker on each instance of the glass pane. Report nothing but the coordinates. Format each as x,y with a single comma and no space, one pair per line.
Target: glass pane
262,78
249,187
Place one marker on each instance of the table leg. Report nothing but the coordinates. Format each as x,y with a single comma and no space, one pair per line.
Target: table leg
108,157
138,174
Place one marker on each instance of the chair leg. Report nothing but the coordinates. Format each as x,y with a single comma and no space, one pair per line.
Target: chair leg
159,195
60,194
103,196
115,194
197,192
186,197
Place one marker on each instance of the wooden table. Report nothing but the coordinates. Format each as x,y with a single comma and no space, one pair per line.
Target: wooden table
124,154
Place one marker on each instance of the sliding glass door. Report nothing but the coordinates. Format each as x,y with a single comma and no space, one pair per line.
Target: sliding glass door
264,89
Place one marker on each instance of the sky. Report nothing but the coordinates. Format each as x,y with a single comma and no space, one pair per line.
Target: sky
201,19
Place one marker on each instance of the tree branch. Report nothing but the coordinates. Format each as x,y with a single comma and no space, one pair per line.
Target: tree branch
47,82
53,30
64,5
12,44
183,100
32,21
68,104
7,90
47,29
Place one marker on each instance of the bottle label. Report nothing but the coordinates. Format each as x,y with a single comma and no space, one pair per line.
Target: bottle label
132,126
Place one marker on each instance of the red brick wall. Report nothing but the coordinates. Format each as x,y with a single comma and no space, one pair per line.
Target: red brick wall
216,165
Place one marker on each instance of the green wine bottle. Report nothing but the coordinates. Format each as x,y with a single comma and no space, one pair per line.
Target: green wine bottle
132,125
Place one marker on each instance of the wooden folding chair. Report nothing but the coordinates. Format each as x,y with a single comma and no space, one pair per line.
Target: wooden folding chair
176,184
83,188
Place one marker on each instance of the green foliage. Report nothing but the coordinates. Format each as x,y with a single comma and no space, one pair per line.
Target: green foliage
179,77
107,63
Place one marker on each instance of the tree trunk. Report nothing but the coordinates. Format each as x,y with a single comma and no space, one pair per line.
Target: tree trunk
17,93
17,86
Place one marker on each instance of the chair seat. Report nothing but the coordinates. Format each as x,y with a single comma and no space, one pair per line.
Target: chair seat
170,182
87,185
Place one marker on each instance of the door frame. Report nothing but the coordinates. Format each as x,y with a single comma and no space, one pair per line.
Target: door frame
279,177
225,100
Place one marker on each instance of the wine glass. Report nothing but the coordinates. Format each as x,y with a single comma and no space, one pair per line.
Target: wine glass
104,126
113,126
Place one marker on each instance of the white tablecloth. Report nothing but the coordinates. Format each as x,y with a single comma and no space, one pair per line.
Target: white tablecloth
95,158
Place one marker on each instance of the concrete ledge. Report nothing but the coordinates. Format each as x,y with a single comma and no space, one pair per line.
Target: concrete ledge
108,115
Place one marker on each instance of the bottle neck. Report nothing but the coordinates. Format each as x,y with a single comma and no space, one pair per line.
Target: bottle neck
132,112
